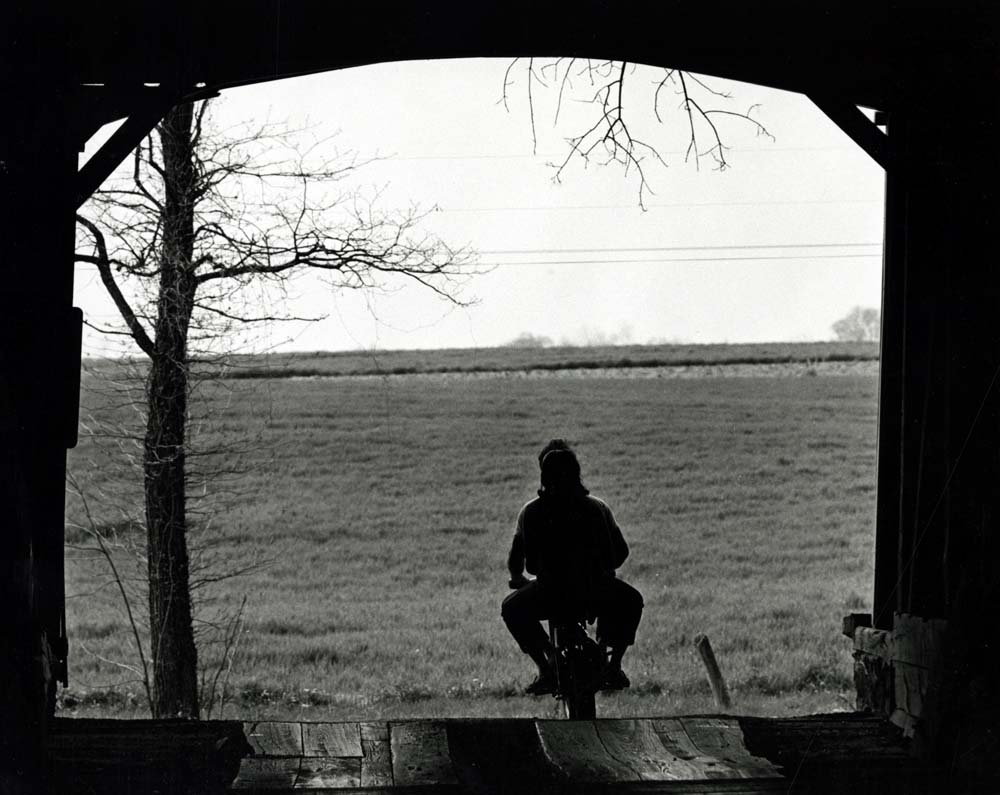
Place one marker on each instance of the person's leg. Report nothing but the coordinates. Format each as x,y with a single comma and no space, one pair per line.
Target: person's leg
619,612
522,612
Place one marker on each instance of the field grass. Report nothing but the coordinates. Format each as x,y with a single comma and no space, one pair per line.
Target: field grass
383,508
327,363
550,358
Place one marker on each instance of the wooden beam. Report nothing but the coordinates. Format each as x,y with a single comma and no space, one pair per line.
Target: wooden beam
126,138
145,109
853,122
892,346
855,620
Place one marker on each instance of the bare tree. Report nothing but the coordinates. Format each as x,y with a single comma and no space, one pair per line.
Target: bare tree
198,239
528,340
614,94
861,324
218,630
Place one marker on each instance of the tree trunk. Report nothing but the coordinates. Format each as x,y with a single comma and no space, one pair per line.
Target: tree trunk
175,658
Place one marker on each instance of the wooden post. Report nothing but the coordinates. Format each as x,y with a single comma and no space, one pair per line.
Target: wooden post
38,165
715,679
885,599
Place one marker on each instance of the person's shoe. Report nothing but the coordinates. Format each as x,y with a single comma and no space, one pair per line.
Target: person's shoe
544,683
615,679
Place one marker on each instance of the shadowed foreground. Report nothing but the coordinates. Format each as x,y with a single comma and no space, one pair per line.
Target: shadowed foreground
703,754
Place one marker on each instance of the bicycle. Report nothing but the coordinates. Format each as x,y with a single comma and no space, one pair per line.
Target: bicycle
580,665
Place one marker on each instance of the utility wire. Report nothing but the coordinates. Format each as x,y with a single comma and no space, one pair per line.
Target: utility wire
685,259
530,156
655,206
631,261
735,246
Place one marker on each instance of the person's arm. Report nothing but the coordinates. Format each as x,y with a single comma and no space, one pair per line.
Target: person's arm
619,549
515,558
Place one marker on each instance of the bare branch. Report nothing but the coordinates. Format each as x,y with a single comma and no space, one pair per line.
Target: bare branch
693,144
104,268
562,88
254,319
507,83
137,167
703,84
669,74
608,137
97,536
531,108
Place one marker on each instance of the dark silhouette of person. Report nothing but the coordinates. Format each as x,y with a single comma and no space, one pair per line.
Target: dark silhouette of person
570,541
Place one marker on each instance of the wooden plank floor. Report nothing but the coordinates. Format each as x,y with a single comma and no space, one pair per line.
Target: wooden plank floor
712,754
698,754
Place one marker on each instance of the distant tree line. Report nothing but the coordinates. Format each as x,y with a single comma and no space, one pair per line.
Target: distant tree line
861,324
529,340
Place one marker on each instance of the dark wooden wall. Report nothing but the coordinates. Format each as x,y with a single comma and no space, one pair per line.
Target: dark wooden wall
939,472
938,562
39,372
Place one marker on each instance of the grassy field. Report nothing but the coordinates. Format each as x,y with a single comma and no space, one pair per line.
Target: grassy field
471,360
381,511
551,358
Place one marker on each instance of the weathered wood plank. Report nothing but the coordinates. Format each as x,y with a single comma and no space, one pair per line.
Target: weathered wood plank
420,754
258,772
854,622
636,743
275,739
331,739
874,642
376,762
722,738
917,641
141,739
911,683
676,740
575,748
841,738
499,755
318,772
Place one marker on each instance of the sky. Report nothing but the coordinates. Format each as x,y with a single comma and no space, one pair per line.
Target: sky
775,248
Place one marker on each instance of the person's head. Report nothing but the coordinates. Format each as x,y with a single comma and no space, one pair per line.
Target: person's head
553,444
561,473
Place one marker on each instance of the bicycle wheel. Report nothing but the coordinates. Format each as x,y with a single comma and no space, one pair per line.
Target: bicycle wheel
578,694
580,705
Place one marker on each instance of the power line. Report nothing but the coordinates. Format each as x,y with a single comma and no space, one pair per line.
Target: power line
658,206
687,259
560,155
736,246
752,258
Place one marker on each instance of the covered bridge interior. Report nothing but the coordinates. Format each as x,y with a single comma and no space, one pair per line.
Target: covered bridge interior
928,653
